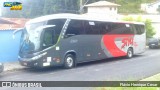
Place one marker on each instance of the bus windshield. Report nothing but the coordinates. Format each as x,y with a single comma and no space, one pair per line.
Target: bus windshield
38,36
30,39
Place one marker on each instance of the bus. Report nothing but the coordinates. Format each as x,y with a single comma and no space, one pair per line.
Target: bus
69,39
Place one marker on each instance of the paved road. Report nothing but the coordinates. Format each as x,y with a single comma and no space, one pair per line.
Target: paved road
139,67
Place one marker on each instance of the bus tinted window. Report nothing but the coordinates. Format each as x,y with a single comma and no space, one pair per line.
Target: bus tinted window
142,29
120,28
59,23
78,27
75,27
105,27
139,29
48,38
92,27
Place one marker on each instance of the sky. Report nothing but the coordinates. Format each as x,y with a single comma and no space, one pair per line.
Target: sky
1,6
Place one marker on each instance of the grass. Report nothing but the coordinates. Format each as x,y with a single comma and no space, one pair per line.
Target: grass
152,78
127,88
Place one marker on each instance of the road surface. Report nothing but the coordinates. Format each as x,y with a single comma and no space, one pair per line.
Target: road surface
114,69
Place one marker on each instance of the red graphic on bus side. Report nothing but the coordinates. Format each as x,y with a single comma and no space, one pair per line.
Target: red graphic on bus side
128,42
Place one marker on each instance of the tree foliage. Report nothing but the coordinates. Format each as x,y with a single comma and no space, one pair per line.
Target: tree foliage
149,28
35,8
150,32
131,6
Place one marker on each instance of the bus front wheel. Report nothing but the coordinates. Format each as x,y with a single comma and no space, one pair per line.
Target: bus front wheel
69,61
129,53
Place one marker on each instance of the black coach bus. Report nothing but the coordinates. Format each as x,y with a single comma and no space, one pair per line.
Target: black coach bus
68,39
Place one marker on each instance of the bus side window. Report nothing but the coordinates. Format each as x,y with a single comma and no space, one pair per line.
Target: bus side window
48,38
134,28
121,28
129,29
92,27
117,28
75,27
58,27
105,27
140,29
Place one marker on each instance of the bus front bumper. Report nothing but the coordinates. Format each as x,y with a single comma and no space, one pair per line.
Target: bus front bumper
36,61
31,63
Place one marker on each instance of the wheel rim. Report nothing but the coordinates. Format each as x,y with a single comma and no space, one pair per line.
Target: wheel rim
69,61
129,53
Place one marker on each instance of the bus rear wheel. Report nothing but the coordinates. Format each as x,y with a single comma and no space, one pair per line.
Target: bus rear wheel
129,53
69,61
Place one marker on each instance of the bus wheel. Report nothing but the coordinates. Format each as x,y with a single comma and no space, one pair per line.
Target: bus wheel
69,61
130,53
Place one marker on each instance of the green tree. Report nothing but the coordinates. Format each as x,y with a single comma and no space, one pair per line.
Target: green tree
35,8
149,28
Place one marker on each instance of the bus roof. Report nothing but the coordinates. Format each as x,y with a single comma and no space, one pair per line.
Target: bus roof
76,16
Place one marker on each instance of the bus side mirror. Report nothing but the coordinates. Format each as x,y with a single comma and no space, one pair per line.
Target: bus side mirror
13,35
69,35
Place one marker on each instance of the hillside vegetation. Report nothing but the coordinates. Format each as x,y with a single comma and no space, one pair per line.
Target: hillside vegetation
35,8
131,6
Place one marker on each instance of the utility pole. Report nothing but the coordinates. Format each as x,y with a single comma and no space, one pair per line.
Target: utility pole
81,6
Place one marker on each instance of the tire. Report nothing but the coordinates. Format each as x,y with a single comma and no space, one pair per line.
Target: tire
69,61
129,53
